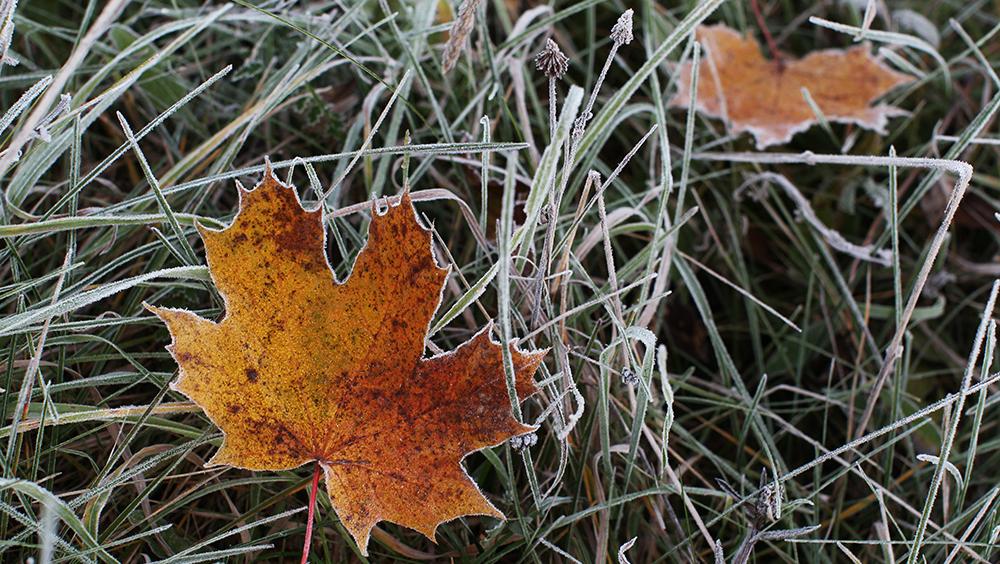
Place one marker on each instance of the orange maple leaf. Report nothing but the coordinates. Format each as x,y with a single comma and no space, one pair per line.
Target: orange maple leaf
736,83
303,368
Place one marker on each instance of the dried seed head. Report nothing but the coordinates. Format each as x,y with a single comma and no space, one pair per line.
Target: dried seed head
545,215
629,377
459,33
621,33
720,556
551,60
523,442
580,125
770,498
42,129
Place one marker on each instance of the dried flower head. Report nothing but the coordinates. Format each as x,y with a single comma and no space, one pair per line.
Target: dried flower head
621,33
551,60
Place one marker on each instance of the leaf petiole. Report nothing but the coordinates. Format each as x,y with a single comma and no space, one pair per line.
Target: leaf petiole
312,512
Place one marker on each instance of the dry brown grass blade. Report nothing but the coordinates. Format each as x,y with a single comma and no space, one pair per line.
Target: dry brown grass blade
459,34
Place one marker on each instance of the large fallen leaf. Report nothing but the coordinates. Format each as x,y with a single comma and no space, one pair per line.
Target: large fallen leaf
303,368
750,93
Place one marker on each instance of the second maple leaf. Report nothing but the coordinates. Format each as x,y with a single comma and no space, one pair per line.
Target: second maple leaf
762,97
303,368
